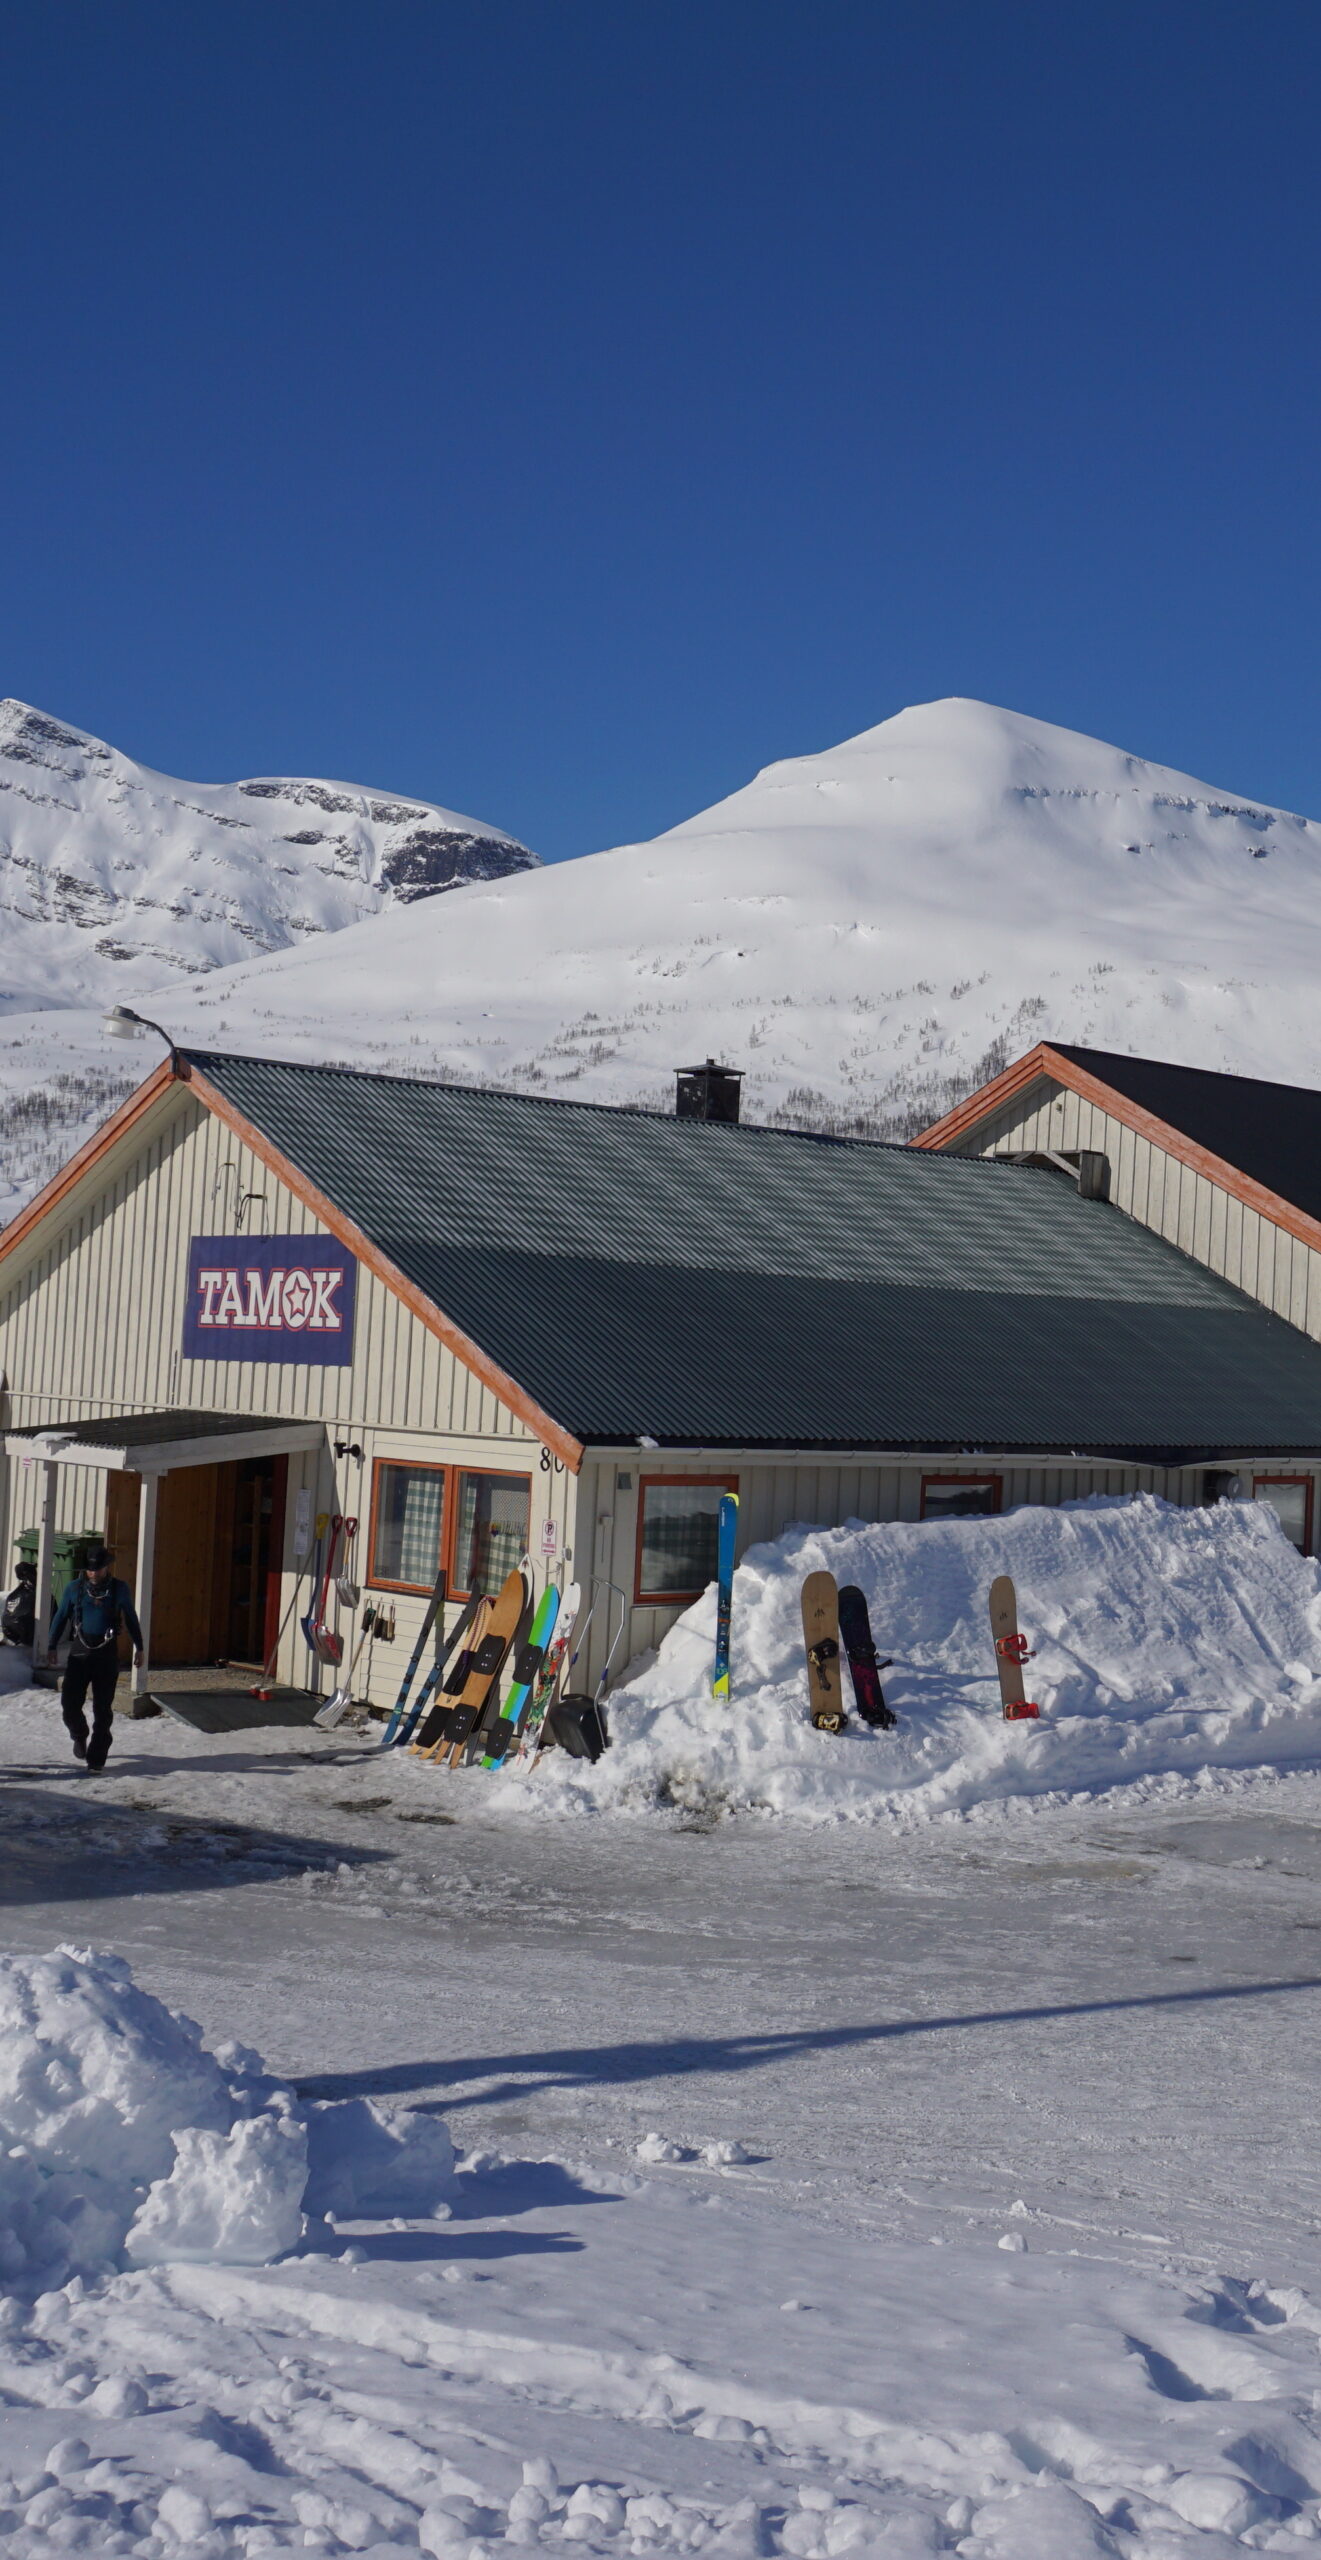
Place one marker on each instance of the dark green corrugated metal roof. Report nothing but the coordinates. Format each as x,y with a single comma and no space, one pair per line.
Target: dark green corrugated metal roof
710,1285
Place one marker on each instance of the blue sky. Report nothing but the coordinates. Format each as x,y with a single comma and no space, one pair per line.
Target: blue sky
560,409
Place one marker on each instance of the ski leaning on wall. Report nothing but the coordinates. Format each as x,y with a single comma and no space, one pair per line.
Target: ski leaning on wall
430,1736
726,1542
504,1626
409,1729
1012,1650
552,1669
527,1671
393,1732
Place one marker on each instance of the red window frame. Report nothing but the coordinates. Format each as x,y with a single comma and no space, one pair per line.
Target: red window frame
417,1467
1308,1485
663,1599
968,1476
459,1590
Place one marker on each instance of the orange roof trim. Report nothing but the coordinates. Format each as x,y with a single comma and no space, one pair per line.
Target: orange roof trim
1054,1067
461,1344
139,1103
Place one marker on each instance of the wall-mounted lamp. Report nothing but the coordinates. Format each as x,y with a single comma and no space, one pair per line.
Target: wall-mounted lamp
124,1024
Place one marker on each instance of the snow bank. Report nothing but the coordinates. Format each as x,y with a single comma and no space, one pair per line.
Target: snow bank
123,2139
1169,1645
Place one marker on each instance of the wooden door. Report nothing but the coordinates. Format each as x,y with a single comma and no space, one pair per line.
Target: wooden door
184,1581
123,1495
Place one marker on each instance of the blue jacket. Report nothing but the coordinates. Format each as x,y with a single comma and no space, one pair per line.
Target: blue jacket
94,1615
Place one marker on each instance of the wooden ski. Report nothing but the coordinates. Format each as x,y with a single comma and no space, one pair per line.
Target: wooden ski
433,1734
528,1663
506,1617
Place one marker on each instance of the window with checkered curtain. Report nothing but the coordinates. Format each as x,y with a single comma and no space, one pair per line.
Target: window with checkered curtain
493,1530
410,1521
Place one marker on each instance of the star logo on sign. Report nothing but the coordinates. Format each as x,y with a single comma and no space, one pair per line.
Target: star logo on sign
297,1300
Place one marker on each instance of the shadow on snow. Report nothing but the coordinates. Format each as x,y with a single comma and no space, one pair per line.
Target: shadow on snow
609,2065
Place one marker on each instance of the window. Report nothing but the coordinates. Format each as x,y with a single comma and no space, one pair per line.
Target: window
1290,1497
678,1521
959,1497
493,1516
408,1521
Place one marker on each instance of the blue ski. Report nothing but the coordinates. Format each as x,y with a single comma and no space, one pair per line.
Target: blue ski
434,1605
726,1540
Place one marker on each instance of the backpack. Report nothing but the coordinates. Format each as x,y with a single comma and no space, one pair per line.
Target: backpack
18,1616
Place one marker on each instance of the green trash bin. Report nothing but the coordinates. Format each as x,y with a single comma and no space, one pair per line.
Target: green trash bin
68,1556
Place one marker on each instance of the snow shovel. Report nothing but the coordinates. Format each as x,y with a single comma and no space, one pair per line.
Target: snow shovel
263,1688
325,1644
342,1699
349,1591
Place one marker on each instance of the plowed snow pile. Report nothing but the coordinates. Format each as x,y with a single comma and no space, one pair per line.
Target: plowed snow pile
124,2141
1171,1647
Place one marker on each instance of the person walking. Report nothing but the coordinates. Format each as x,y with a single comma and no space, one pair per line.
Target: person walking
92,1608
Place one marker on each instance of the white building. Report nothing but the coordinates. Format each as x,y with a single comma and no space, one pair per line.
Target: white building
482,1323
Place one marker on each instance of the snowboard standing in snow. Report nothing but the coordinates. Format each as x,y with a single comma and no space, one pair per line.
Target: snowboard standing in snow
856,1637
1011,1651
727,1539
825,1686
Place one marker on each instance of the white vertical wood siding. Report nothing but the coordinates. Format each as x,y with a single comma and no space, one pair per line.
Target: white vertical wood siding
1187,1208
776,1494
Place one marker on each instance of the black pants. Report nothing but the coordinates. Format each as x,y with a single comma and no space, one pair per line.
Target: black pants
99,1672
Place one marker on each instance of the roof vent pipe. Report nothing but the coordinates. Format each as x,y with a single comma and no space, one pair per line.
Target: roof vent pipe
708,1093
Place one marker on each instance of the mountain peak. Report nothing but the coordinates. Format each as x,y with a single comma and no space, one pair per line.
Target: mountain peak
114,877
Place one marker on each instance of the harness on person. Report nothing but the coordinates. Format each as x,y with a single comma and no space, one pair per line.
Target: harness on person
81,1644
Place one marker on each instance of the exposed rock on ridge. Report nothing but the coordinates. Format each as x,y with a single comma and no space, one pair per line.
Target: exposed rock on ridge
115,879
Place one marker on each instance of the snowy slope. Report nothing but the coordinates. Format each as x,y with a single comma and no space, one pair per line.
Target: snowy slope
868,932
861,925
114,879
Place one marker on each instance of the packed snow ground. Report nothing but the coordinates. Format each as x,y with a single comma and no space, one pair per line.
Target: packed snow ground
868,932
886,2186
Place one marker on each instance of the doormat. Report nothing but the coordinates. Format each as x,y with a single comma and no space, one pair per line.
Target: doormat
230,1711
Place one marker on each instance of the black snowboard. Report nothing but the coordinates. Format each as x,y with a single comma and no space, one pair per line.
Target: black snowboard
855,1636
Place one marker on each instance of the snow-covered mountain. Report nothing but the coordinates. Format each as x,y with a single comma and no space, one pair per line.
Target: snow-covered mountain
115,880
867,932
